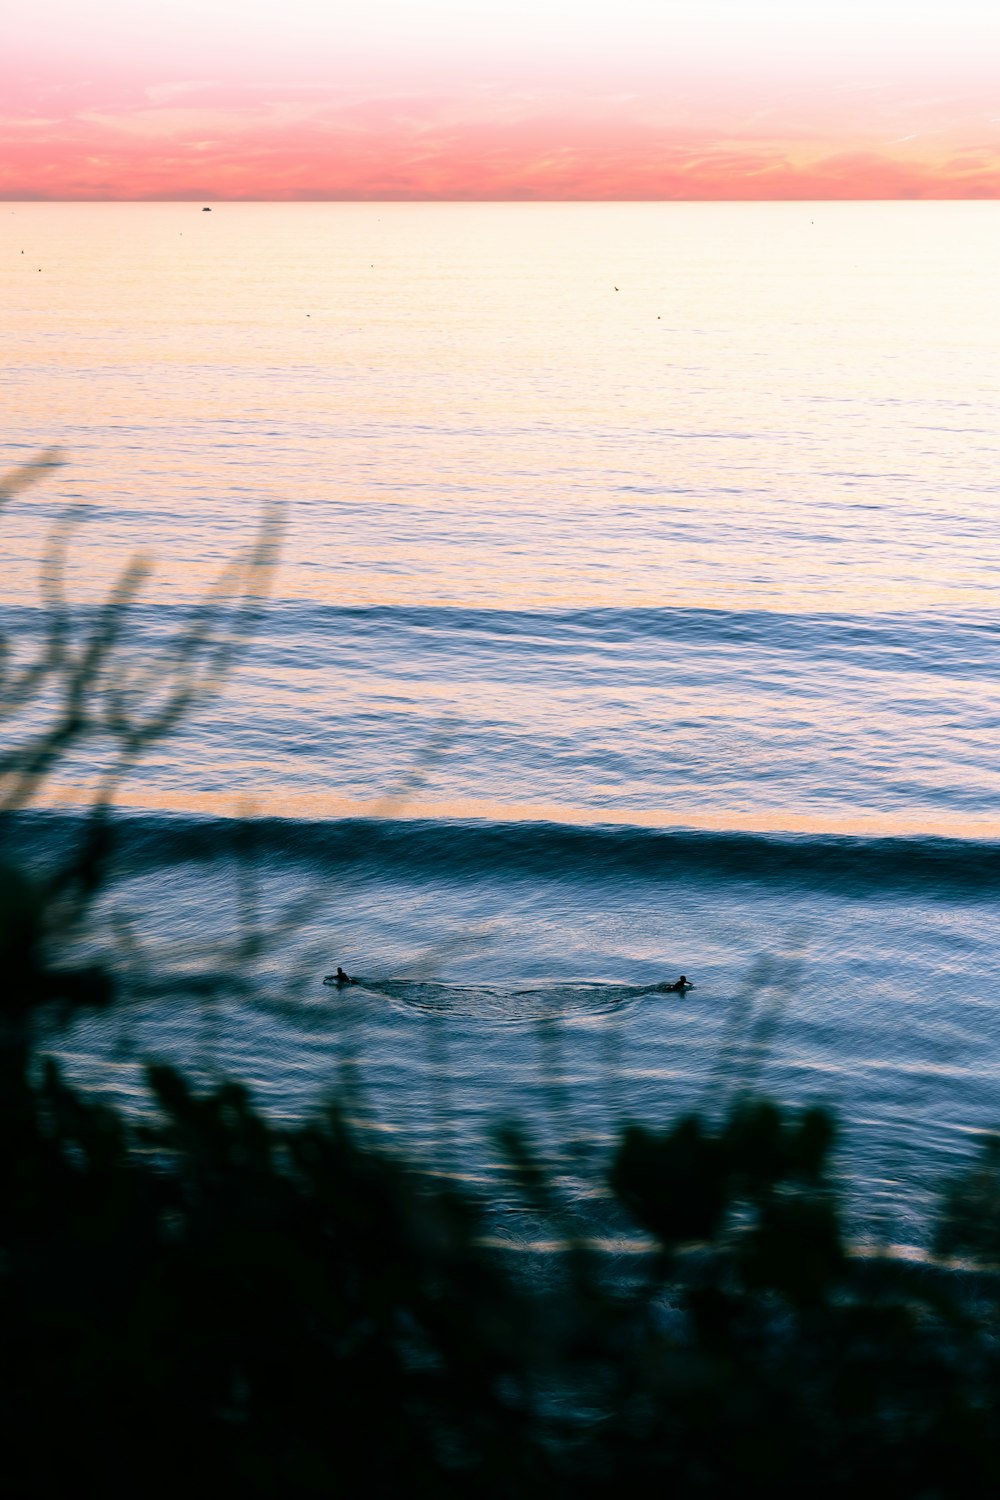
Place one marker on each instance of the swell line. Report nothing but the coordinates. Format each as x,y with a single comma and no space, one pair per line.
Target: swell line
455,851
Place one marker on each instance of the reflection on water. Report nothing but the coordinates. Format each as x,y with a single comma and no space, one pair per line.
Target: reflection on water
784,406
713,552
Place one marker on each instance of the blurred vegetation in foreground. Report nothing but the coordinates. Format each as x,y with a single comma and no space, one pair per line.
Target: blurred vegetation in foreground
207,1300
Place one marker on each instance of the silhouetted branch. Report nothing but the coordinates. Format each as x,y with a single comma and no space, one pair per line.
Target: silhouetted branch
92,691
97,689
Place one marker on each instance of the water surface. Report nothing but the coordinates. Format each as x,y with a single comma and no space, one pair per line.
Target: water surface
637,614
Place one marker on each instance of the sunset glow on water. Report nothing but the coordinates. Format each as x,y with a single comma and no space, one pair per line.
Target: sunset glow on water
636,612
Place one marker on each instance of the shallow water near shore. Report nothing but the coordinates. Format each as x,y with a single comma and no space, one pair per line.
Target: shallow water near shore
637,615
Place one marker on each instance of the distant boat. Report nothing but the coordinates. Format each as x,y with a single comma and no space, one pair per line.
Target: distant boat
206,210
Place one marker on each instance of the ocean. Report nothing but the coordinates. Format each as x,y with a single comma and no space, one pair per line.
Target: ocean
636,615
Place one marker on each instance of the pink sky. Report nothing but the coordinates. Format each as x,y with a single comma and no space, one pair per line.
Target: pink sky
500,99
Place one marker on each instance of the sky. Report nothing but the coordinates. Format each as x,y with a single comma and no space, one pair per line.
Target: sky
499,99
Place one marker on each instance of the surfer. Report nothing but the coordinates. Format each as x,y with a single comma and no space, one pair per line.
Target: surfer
339,978
679,986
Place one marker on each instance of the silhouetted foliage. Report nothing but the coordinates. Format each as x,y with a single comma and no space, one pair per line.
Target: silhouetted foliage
209,1301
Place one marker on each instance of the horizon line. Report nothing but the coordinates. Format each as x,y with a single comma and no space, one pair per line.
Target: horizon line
992,197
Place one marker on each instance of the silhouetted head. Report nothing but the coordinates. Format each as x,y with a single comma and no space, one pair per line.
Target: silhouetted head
683,979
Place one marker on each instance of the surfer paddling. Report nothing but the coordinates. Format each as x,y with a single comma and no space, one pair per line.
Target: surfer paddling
340,978
679,986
